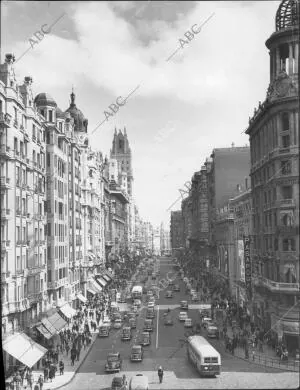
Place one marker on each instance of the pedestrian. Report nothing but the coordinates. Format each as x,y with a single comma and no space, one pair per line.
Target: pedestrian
41,381
29,378
253,354
17,380
73,356
46,374
61,367
67,348
160,373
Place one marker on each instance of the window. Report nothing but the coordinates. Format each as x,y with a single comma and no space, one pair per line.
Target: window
33,132
50,116
43,113
287,192
288,244
286,167
285,121
285,140
60,126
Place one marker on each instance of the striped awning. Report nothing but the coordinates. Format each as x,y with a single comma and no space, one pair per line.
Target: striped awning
44,331
91,291
54,323
102,282
81,298
96,286
24,349
106,277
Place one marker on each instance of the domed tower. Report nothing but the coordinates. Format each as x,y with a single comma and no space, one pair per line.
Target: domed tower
80,122
274,145
46,106
283,47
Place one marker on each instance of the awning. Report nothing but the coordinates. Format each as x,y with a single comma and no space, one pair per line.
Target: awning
91,291
102,282
92,255
24,349
99,284
95,286
54,323
106,277
44,331
67,311
81,298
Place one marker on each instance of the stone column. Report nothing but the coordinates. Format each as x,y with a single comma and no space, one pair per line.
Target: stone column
277,69
290,59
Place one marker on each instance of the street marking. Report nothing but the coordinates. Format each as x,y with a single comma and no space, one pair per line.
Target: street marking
157,327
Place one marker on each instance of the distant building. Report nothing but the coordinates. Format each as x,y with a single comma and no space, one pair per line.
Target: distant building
176,231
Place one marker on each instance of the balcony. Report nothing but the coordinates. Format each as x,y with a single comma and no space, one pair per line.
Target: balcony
284,150
289,230
282,203
5,275
278,286
5,119
5,182
34,297
6,152
5,245
35,270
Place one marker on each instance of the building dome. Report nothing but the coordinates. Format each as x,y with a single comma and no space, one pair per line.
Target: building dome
80,122
287,15
44,99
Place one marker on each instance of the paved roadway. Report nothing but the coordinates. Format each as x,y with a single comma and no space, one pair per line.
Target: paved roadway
167,351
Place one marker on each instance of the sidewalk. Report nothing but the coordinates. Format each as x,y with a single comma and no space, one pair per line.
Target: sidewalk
267,357
69,371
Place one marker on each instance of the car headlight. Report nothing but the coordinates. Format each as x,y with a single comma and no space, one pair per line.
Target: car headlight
205,368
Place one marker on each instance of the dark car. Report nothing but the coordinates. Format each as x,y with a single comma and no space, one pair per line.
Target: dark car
118,383
114,362
148,325
176,287
169,294
168,321
136,353
145,339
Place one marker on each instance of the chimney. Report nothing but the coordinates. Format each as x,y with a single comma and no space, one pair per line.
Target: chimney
28,80
9,58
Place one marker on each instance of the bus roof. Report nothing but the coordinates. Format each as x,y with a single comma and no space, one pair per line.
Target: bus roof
199,341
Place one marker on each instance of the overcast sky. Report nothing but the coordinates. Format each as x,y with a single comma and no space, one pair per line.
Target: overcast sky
181,108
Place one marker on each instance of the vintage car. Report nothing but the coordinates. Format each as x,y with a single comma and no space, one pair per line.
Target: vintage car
145,339
136,353
103,331
118,383
148,325
126,333
206,322
169,294
182,316
176,287
195,297
137,302
188,323
168,321
150,312
116,316
132,323
139,382
114,362
212,331
184,305
118,323
132,314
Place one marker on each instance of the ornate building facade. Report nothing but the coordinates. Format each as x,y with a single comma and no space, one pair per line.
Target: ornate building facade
274,143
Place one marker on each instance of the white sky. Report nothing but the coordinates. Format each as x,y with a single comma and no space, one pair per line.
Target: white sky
198,100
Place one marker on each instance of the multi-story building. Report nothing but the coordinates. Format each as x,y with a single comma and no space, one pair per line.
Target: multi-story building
176,231
186,210
226,168
147,234
165,243
241,205
274,143
22,164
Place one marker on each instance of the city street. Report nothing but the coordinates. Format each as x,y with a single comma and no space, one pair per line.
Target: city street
167,351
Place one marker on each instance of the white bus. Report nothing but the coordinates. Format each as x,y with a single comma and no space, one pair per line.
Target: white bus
203,355
137,292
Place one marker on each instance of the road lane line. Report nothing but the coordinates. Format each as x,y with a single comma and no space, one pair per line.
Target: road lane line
157,327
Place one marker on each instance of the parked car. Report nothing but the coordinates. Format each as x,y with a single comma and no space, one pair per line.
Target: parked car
136,353
182,316
168,321
114,362
122,298
169,294
118,383
212,331
150,312
107,322
176,287
116,316
188,323
126,333
103,331
145,339
195,297
148,325
184,305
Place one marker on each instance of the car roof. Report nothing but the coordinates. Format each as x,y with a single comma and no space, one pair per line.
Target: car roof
113,354
146,333
136,346
183,312
183,301
126,328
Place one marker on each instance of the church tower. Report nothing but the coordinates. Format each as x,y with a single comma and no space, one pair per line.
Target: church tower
122,153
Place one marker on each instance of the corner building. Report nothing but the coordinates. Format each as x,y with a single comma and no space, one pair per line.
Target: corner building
274,143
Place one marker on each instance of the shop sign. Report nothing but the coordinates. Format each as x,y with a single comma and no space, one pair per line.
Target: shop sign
247,260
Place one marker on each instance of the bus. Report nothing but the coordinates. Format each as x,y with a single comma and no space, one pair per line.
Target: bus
137,292
204,356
